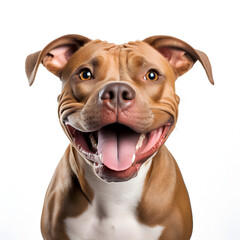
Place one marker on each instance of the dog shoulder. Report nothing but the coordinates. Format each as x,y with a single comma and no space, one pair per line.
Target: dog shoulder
166,206
64,198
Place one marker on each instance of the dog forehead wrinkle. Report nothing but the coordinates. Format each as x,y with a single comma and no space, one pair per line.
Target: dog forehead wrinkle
137,60
95,61
137,54
102,54
97,47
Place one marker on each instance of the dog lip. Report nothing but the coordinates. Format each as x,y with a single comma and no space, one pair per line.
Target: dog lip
161,133
152,141
71,129
110,175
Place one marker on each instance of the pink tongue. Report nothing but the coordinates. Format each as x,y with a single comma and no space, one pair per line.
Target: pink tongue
117,147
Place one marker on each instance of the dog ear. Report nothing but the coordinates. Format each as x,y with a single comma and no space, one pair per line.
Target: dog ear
180,55
54,56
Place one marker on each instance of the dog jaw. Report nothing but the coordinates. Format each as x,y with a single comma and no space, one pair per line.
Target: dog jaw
117,152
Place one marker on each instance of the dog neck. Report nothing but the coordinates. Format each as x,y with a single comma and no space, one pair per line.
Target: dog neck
112,197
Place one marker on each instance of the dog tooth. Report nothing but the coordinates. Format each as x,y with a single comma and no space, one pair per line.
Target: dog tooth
140,141
93,141
133,158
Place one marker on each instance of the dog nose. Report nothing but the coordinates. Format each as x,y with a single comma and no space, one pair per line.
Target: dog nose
119,95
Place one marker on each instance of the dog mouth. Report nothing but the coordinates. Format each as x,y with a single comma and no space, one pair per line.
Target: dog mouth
116,148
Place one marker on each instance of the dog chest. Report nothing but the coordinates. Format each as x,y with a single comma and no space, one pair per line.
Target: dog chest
113,211
122,226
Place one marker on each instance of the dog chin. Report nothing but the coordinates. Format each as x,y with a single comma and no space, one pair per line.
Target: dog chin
109,175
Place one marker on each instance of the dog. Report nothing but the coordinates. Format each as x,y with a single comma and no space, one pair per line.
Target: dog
117,180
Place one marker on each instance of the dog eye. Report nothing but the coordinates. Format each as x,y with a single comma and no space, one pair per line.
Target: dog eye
151,75
85,75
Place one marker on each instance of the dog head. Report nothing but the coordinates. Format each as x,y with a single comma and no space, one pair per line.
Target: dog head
118,103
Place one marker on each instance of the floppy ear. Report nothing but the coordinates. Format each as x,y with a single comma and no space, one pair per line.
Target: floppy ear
54,56
180,55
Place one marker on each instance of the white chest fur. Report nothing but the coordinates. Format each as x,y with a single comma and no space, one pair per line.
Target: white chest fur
112,214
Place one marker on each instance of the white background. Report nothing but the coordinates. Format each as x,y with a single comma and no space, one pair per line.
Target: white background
205,143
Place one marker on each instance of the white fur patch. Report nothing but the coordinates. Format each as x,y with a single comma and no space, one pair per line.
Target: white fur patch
112,214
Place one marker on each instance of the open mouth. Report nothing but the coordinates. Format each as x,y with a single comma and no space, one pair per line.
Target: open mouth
117,147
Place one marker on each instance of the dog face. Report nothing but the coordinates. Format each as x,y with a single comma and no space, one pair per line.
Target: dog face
118,103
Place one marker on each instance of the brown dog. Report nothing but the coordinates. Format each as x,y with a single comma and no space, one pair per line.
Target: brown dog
118,105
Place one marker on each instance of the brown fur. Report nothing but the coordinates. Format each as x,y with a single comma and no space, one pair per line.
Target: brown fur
165,199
